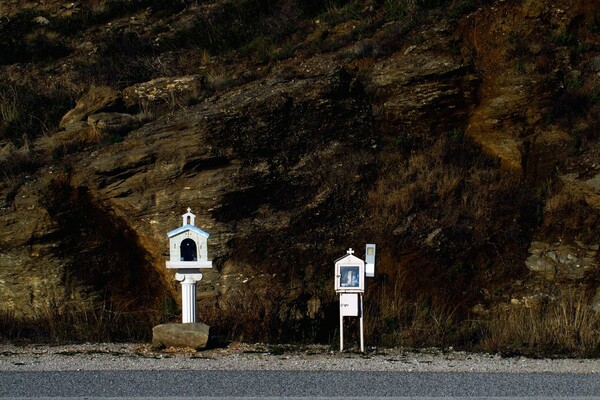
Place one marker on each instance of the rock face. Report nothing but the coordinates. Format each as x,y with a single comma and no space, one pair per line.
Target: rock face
512,53
457,151
563,262
249,163
424,87
164,94
190,335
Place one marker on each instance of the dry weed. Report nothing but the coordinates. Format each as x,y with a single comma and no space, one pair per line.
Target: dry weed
562,200
394,317
56,324
567,326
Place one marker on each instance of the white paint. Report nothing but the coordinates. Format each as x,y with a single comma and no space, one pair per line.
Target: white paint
370,270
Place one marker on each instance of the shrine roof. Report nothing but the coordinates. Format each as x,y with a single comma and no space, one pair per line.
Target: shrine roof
351,258
185,228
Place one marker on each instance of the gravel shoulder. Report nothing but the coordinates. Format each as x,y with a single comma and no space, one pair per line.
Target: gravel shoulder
239,356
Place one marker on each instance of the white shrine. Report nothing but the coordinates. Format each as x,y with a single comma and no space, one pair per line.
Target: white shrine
188,255
349,283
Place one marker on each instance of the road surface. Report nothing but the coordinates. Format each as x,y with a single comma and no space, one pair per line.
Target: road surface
294,384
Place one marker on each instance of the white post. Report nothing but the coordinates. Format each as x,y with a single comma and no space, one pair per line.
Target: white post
188,295
362,336
341,327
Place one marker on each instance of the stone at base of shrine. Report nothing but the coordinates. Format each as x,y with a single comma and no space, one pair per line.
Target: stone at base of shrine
192,335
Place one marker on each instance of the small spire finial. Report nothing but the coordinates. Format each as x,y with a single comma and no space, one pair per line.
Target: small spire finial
350,251
189,218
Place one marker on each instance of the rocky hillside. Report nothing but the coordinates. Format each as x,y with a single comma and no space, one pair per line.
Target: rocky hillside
460,136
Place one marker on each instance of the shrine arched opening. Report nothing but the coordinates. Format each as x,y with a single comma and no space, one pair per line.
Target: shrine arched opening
189,252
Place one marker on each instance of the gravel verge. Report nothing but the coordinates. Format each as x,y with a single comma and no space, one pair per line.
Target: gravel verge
239,356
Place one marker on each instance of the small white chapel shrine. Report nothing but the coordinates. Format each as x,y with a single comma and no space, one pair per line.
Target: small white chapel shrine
188,255
349,283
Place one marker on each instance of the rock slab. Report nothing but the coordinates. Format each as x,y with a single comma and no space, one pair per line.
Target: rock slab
192,335
97,99
113,122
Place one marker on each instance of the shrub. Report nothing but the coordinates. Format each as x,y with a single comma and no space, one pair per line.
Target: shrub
92,14
594,26
429,4
564,38
260,49
44,45
569,105
23,40
463,8
123,59
399,9
339,13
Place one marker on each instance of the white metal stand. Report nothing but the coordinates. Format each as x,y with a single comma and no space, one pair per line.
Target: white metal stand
360,315
341,327
362,331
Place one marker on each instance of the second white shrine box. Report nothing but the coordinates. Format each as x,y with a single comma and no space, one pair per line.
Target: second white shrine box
188,245
350,274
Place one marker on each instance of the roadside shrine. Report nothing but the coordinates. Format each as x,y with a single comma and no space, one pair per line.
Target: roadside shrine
349,283
188,255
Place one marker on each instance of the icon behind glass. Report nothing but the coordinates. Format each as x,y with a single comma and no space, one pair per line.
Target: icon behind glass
349,277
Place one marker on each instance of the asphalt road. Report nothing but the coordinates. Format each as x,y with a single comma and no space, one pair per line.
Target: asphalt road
289,384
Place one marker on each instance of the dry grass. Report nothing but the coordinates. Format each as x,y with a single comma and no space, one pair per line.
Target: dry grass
562,200
567,326
439,174
396,317
75,326
9,105
103,323
251,312
244,319
564,327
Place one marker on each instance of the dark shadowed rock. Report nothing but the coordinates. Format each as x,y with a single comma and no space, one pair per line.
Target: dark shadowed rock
113,122
193,335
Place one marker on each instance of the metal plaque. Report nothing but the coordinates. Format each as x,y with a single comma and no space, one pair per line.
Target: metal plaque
349,304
